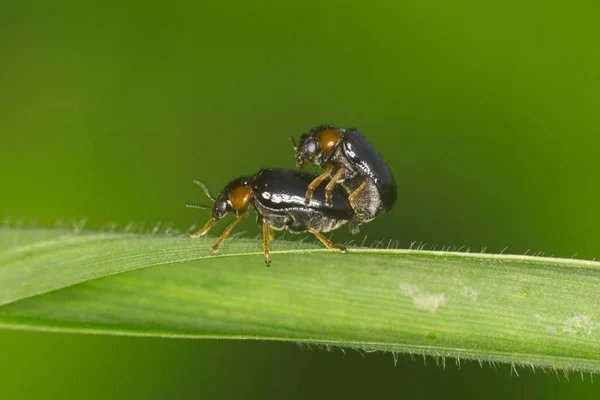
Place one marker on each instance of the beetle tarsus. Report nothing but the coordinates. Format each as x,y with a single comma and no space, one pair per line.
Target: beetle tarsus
326,242
267,234
204,229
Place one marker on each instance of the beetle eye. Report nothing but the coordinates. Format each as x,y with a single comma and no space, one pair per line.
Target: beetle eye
311,147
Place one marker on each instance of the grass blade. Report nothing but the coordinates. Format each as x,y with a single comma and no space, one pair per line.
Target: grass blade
534,311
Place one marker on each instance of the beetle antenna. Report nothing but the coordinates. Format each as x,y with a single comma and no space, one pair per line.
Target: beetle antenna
198,206
294,145
205,189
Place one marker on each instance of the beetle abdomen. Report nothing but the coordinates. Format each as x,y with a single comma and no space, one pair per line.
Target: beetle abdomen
300,220
369,163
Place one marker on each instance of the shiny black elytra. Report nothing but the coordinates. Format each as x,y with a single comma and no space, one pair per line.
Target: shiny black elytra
351,161
278,196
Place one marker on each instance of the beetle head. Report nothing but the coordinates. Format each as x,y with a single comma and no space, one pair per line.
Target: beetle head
233,198
316,146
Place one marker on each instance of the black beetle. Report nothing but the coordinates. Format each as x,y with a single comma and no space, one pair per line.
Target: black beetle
348,157
278,195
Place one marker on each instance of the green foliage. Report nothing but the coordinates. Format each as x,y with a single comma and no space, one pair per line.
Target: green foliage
535,311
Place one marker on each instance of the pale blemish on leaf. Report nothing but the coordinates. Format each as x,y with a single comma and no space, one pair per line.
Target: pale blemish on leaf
466,291
469,292
579,324
422,299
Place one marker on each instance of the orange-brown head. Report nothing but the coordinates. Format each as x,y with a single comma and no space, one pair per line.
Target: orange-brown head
316,145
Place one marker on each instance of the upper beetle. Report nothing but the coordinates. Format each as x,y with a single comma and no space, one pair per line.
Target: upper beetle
348,157
277,195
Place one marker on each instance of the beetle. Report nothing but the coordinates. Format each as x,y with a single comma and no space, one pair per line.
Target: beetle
351,161
277,195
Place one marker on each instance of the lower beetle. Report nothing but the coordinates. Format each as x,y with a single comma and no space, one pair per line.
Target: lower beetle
277,195
348,157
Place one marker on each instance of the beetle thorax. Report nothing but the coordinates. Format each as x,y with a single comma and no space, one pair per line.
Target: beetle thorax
328,138
240,197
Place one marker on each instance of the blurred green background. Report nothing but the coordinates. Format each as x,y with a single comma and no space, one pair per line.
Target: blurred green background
488,113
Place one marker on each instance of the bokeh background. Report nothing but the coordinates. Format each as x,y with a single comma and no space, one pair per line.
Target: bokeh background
488,113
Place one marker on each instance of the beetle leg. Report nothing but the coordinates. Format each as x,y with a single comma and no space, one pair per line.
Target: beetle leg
227,231
271,233
267,234
316,182
328,243
204,229
356,192
330,185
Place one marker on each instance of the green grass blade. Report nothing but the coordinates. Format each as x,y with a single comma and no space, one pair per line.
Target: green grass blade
533,311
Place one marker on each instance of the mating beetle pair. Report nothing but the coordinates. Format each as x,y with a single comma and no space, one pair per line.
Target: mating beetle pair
356,184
